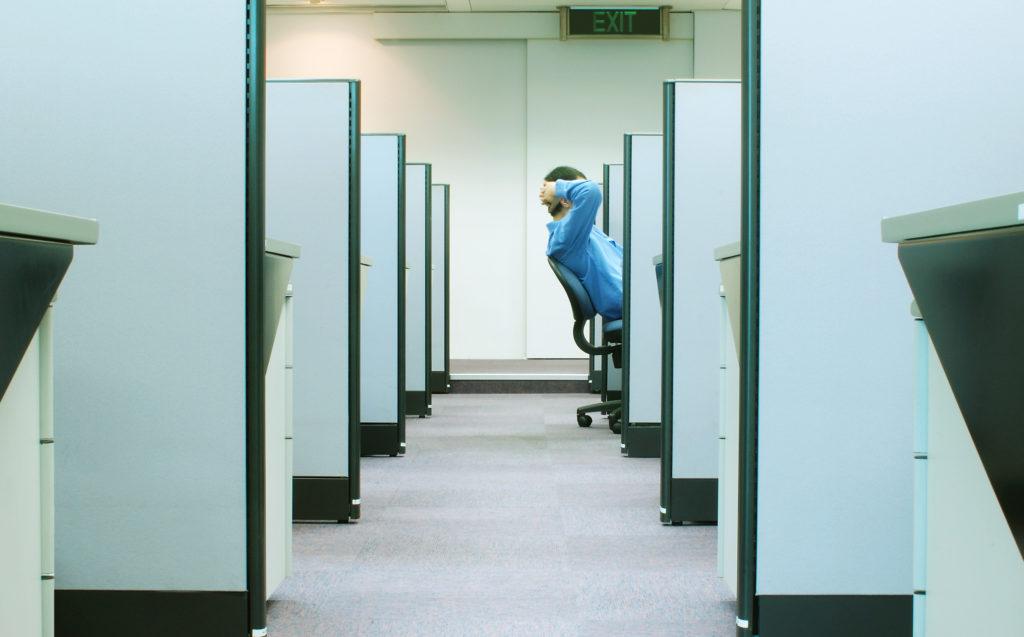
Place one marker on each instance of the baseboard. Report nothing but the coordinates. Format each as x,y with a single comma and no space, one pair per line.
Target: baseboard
106,613
440,383
597,381
322,498
642,440
379,439
693,500
520,387
835,615
417,404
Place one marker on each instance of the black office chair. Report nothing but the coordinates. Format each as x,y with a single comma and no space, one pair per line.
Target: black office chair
583,311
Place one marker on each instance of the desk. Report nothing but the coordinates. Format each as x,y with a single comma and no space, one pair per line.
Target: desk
278,357
35,253
964,267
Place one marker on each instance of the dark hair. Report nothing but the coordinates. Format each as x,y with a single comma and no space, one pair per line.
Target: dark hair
568,173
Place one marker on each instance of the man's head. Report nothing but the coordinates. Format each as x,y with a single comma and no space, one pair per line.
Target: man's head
557,207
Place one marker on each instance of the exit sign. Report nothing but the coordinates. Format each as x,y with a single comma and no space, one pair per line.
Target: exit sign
614,22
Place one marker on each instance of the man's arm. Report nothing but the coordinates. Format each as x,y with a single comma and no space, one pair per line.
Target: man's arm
585,197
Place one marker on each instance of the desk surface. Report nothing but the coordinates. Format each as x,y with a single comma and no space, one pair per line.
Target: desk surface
727,251
984,214
282,248
49,226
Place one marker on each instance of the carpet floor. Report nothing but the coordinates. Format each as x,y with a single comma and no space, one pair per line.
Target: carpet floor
505,518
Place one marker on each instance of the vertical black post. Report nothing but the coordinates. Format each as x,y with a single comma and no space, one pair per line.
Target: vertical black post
627,191
255,460
746,600
428,262
668,296
401,293
354,294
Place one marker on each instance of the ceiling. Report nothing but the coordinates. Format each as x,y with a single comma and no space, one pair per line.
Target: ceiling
488,5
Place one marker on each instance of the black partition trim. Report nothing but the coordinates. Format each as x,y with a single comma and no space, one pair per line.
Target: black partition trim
428,275
447,288
354,294
750,247
255,232
668,298
401,293
627,161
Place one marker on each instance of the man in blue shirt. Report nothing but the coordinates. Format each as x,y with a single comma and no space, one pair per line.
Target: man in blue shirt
575,242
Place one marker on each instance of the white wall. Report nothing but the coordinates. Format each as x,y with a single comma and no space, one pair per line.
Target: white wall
868,110
717,44
493,116
462,107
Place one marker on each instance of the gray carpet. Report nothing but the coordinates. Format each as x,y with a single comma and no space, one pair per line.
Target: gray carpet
505,518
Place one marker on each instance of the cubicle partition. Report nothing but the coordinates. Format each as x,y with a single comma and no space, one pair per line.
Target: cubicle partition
36,249
963,264
440,349
418,199
827,512
382,228
611,218
641,336
159,390
313,199
701,212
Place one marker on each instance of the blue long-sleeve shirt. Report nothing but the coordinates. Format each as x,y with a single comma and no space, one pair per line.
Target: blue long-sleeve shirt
575,242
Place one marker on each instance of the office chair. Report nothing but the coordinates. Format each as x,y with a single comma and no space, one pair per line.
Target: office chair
583,311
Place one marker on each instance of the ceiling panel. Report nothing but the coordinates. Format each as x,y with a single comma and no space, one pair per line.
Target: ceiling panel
502,5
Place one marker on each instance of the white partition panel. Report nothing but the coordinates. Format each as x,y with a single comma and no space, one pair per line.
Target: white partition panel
703,164
417,289
312,165
382,366
138,117
440,366
642,223
614,192
857,103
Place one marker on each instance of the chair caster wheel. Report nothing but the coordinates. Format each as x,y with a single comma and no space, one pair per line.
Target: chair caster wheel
584,420
615,425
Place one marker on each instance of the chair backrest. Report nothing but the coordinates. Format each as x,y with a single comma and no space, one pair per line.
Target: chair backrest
582,306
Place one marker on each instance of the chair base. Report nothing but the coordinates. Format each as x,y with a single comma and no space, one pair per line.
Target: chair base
612,407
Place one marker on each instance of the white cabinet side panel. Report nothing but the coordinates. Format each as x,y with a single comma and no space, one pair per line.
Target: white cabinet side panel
975,574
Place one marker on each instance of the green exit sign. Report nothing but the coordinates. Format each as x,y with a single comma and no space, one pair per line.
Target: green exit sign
614,22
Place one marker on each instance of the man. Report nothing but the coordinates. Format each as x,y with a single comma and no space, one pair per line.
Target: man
575,242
